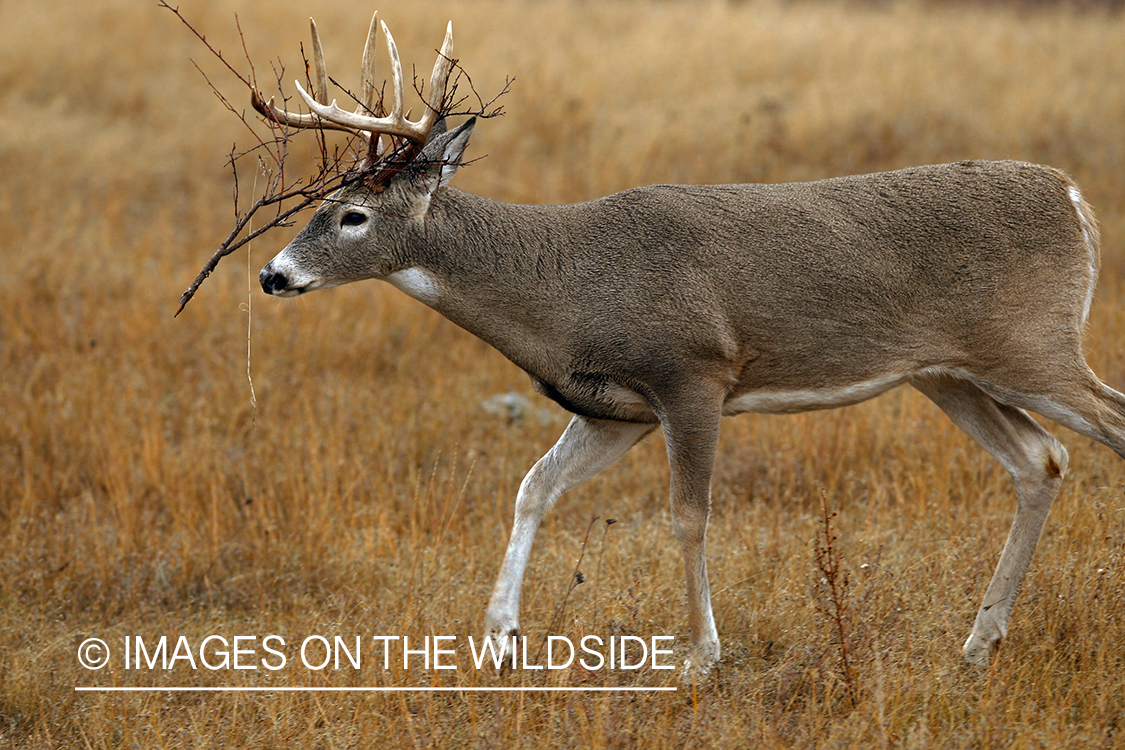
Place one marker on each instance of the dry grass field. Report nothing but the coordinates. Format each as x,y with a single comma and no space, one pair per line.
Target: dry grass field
353,485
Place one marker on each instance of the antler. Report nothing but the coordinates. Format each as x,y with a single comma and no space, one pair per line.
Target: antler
363,121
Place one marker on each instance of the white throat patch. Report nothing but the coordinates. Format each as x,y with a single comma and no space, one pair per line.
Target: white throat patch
416,283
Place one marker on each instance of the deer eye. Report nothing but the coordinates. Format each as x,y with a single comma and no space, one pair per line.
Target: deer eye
352,219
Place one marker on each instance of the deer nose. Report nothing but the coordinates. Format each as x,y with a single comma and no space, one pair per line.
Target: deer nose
272,281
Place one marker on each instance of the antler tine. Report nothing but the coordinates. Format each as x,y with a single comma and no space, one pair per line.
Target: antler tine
395,122
442,67
320,71
396,75
296,119
368,70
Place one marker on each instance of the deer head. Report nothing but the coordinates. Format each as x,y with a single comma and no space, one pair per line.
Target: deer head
357,232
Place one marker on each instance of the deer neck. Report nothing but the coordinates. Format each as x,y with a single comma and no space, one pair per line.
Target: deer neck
494,269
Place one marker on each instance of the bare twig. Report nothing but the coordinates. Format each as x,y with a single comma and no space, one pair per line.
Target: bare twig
598,570
334,167
832,597
576,579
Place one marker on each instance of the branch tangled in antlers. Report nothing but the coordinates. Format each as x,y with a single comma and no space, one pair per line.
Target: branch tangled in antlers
363,156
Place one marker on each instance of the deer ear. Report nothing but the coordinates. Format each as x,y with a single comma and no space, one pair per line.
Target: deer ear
439,128
442,154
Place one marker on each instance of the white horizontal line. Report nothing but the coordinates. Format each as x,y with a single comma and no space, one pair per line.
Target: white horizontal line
311,689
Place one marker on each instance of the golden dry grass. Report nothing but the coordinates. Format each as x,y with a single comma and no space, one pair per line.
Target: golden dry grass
364,491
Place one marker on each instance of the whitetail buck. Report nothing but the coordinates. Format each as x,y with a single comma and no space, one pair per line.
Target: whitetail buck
673,305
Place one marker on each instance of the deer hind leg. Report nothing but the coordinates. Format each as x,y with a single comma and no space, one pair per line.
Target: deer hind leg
1065,390
586,447
1088,406
1110,406
1036,463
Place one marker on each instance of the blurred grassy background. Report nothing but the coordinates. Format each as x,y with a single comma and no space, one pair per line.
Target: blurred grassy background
365,490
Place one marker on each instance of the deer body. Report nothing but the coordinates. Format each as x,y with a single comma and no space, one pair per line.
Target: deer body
826,288
672,306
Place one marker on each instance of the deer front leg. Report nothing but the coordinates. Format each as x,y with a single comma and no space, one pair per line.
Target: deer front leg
692,444
586,447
